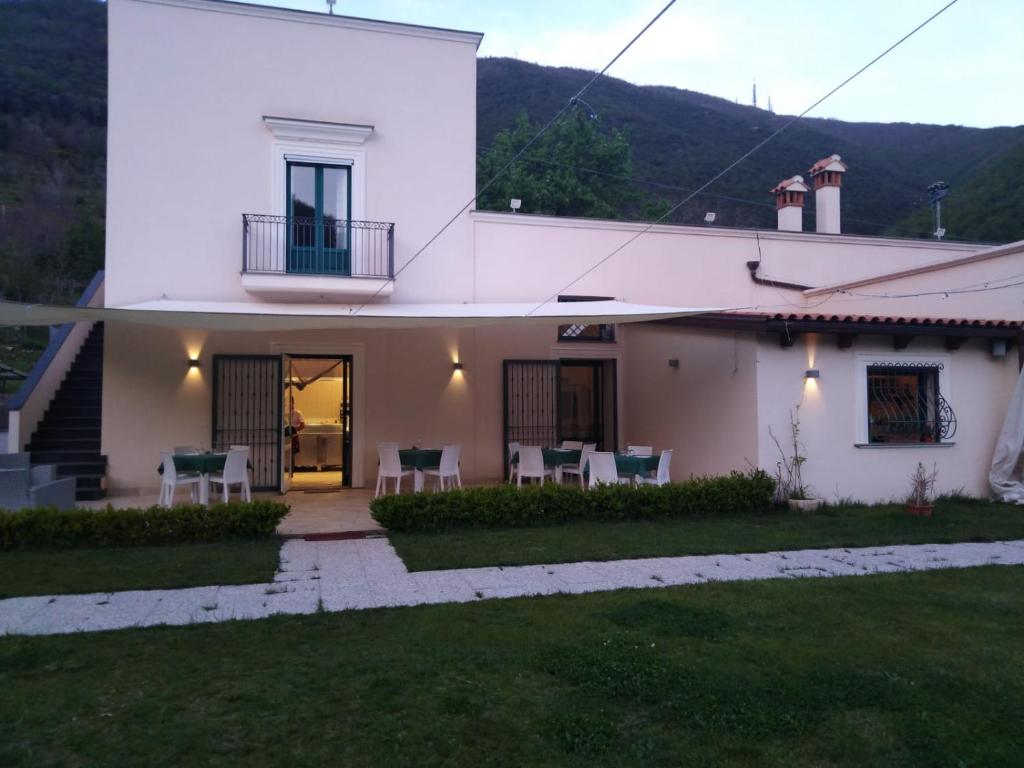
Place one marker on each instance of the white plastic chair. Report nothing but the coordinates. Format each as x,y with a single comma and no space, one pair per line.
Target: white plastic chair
663,471
640,450
513,449
577,469
235,472
603,470
448,469
531,465
390,467
172,478
572,445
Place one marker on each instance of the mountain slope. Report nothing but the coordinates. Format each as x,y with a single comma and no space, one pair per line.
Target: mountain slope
53,111
684,138
990,205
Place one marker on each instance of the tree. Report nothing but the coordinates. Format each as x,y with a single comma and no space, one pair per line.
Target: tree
570,171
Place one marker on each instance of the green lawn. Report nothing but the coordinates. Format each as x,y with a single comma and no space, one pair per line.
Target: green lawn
111,569
892,670
845,526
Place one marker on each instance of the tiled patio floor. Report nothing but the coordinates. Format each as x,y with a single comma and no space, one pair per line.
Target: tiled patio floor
311,513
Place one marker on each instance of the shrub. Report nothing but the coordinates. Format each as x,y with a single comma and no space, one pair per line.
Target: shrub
504,505
48,527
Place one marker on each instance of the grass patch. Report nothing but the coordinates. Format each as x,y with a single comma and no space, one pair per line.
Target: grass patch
890,670
838,526
112,569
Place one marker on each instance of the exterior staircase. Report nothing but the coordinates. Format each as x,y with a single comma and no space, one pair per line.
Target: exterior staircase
69,433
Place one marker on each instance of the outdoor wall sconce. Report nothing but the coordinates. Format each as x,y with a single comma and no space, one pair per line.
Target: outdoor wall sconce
456,366
193,363
812,373
673,362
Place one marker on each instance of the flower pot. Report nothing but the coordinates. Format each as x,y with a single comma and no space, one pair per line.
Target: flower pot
804,505
922,510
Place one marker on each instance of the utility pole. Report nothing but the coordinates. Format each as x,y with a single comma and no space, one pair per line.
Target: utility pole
936,192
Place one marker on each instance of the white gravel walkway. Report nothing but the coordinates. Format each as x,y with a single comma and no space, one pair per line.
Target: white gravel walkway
366,573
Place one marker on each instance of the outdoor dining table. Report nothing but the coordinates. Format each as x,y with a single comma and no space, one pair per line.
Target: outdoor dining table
635,466
419,459
204,464
555,458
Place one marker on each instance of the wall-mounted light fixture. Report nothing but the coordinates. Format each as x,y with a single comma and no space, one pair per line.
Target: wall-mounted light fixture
673,362
456,366
193,363
812,373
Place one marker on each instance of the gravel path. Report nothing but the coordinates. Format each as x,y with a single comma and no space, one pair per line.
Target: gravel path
366,573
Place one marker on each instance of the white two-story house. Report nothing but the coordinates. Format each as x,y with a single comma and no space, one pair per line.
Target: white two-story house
290,239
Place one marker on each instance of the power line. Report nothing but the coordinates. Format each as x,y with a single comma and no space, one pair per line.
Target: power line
569,105
748,153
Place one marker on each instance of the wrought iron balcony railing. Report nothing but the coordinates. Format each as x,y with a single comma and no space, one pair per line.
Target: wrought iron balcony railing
306,245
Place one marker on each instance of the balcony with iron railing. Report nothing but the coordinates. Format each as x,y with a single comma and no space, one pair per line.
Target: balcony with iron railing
303,256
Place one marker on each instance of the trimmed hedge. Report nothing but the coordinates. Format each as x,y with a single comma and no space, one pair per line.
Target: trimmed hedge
48,527
505,506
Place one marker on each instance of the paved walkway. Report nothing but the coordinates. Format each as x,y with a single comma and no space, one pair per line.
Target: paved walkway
366,573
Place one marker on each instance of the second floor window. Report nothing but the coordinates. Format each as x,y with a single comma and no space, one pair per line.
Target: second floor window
319,206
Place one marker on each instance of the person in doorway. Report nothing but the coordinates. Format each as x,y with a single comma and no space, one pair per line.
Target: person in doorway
296,423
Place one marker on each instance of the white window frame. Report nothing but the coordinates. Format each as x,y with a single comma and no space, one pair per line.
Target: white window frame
863,361
306,141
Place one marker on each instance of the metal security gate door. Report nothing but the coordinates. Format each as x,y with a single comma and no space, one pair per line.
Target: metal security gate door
247,411
531,402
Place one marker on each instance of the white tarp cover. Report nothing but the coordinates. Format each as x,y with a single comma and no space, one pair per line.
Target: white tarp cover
1005,475
251,316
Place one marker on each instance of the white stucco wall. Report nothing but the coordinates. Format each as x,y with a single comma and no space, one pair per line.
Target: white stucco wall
188,151
978,387
705,410
526,258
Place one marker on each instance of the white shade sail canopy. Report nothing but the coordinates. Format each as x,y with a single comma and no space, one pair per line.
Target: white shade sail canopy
250,316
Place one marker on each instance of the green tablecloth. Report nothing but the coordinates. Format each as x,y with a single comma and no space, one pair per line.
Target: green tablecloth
635,465
197,462
420,458
556,457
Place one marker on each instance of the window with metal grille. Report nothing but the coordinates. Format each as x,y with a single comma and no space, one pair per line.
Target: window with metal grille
584,332
906,406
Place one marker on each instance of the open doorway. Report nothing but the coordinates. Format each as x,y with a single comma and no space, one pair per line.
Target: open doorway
317,443
587,413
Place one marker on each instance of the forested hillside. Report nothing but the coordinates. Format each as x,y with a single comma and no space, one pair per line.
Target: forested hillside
683,138
52,152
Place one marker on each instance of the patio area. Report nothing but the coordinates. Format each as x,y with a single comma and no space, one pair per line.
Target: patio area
313,512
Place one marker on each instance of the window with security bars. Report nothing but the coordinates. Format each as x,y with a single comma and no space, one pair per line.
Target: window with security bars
585,332
905,405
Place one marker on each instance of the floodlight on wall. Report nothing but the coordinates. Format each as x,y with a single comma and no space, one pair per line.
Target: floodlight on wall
193,363
673,362
812,373
515,204
709,217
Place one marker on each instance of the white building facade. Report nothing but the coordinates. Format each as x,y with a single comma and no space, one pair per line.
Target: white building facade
266,159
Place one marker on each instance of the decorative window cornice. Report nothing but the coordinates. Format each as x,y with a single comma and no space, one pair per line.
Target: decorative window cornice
317,131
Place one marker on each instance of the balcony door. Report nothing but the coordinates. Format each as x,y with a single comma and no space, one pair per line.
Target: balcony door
319,209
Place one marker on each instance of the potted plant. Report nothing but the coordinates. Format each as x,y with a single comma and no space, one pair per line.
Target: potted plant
789,482
921,500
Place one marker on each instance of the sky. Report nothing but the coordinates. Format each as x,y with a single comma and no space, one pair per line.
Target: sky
965,68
